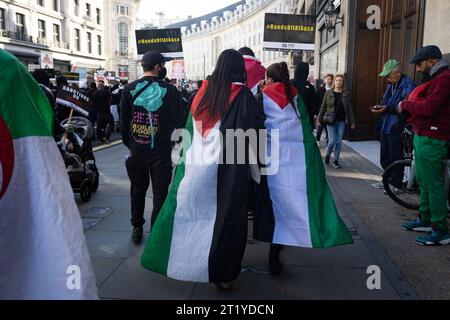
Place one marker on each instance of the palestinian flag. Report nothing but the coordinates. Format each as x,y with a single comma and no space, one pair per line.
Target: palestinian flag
297,208
255,73
43,253
201,232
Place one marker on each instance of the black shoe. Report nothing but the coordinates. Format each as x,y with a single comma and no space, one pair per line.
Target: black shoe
138,233
223,286
336,165
275,266
327,161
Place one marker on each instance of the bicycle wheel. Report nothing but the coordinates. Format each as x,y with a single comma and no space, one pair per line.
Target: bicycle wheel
406,197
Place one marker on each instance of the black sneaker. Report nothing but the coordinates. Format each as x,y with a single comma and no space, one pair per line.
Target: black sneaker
138,233
327,161
336,165
223,286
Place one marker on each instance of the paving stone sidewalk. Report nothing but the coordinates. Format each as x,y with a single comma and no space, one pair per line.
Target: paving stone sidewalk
337,273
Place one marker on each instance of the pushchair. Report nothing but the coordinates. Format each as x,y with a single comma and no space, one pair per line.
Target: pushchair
76,148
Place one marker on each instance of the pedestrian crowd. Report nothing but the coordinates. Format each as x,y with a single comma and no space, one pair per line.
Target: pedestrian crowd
200,214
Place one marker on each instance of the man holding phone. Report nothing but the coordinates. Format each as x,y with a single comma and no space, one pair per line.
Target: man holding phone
391,123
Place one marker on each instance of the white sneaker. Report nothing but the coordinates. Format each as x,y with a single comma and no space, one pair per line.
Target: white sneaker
378,186
395,190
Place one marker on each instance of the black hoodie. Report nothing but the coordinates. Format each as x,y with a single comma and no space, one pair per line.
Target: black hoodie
306,90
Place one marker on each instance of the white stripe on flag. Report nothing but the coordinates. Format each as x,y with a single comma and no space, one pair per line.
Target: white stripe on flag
41,234
288,188
196,211
255,89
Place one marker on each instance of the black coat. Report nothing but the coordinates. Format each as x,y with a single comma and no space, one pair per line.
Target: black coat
308,93
143,130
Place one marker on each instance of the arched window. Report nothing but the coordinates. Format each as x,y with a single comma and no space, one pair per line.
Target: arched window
123,38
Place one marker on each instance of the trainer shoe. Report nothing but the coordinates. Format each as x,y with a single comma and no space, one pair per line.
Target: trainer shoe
394,190
437,238
378,186
417,225
137,235
223,286
336,165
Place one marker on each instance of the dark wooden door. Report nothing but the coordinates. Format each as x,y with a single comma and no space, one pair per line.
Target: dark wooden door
403,29
399,38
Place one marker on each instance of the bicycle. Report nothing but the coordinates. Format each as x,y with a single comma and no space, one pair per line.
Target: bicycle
409,195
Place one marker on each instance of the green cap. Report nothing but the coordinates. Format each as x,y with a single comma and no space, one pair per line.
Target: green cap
390,66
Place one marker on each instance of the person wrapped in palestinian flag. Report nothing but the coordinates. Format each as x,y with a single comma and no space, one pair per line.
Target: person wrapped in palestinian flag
295,206
43,251
201,232
255,71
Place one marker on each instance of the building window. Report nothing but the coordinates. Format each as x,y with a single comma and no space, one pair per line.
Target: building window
88,9
76,7
56,33
41,3
77,40
99,20
89,42
56,5
99,44
122,10
2,19
123,38
20,25
41,29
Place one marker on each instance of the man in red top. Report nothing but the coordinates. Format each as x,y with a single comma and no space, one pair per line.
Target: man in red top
255,71
429,110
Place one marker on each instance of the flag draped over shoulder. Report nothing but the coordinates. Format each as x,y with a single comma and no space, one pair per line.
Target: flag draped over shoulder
201,232
255,73
43,252
295,206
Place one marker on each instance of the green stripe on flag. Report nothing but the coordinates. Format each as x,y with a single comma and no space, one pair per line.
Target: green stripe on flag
23,105
326,227
157,251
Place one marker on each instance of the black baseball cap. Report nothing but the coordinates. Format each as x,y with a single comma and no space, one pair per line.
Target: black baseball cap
152,58
428,52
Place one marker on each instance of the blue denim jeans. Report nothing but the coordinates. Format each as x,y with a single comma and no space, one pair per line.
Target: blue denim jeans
336,133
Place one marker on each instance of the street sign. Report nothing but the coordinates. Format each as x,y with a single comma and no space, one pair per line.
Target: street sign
289,32
166,41
46,60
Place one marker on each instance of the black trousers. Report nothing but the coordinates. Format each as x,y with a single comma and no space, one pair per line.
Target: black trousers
158,168
320,130
104,125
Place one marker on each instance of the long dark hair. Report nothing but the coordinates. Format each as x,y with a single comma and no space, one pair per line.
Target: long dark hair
230,68
279,72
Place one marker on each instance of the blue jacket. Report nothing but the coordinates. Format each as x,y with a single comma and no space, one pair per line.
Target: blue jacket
391,121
